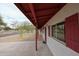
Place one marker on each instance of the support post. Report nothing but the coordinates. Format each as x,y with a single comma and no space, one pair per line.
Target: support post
45,35
36,39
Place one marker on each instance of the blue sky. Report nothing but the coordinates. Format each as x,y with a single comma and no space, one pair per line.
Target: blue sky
11,13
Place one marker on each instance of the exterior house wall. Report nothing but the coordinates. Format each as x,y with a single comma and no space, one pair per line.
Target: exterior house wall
56,47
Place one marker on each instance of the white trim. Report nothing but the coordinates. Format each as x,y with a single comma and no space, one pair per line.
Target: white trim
59,41
58,49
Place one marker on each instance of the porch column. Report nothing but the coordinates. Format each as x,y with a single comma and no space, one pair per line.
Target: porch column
45,35
37,34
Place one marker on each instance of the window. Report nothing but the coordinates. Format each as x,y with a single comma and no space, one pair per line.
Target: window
58,31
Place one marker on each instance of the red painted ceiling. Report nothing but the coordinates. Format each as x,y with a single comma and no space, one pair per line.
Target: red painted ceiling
39,13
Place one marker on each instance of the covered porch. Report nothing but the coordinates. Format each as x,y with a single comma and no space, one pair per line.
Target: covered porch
55,32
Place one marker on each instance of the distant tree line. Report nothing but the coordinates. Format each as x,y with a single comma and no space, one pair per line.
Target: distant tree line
25,27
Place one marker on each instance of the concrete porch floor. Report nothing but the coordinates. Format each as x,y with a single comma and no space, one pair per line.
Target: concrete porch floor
23,48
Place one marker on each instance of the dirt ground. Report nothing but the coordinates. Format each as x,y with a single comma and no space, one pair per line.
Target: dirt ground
14,45
17,37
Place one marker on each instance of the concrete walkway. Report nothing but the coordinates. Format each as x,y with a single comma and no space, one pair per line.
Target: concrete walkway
23,48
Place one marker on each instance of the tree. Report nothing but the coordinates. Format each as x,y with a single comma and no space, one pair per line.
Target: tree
2,24
24,27
7,28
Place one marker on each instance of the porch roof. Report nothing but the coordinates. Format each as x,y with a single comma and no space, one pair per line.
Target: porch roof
39,13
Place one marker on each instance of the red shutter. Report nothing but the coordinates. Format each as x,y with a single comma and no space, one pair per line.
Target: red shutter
52,30
72,32
48,30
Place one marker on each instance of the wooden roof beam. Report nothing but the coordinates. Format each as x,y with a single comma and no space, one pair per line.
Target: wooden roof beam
33,13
